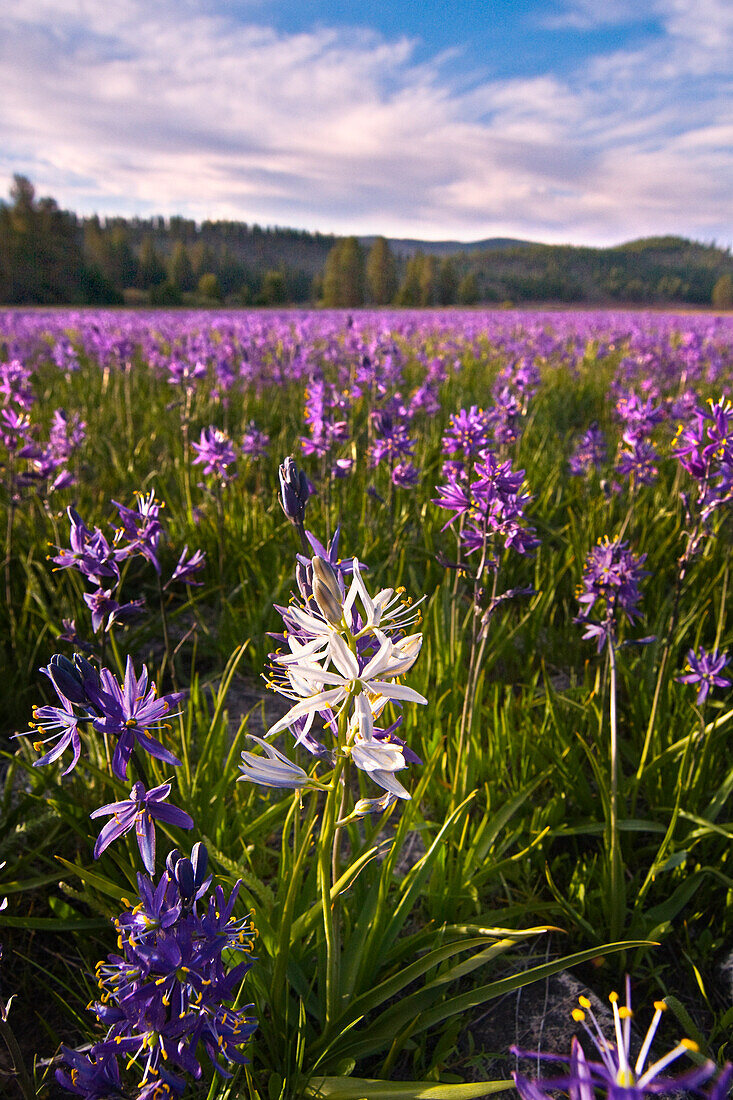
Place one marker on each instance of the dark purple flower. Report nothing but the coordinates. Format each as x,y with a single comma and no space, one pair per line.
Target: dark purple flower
92,1076
141,809
65,721
142,528
704,669
405,475
165,995
128,712
90,553
638,459
103,605
295,490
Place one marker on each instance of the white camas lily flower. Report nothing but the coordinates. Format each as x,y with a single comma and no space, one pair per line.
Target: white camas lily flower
327,613
387,611
274,770
308,681
380,760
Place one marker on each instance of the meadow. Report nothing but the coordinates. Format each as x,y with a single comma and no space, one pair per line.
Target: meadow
448,592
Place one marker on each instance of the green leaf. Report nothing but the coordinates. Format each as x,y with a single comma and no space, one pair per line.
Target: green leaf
358,1088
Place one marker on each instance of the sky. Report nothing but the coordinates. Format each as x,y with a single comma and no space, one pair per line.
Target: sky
565,121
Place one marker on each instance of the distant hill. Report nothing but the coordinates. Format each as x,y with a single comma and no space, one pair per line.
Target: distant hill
405,247
651,270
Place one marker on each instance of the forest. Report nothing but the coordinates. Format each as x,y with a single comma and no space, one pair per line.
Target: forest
50,256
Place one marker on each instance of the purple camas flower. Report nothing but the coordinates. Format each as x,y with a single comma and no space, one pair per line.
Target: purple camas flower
325,431
15,429
215,452
704,670
611,578
103,606
141,809
405,475
589,453
467,434
185,374
187,567
62,726
638,459
125,711
616,1074
165,995
639,416
492,506
705,449
503,417
295,489
255,442
15,384
142,528
128,711
67,434
89,553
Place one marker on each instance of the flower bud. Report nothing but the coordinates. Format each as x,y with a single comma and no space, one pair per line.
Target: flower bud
327,592
294,490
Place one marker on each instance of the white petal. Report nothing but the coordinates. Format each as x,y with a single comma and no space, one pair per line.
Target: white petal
320,701
396,691
343,658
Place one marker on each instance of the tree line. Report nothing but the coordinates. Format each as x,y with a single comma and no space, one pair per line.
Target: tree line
51,256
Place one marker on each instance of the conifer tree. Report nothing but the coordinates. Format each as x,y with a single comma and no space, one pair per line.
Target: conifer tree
344,275
381,273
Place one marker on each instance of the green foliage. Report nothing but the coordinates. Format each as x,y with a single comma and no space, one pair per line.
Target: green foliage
468,294
209,287
381,273
274,290
344,275
722,296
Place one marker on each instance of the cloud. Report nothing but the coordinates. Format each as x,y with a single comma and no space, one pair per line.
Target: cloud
175,108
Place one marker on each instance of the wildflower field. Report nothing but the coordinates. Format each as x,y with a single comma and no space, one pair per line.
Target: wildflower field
359,671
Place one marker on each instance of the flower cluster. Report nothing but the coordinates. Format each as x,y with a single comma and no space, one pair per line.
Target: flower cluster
589,453
610,578
165,996
491,508
391,443
346,652
327,429
125,713
705,449
138,532
45,464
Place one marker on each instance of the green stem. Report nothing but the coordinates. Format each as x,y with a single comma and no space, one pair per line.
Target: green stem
617,883
186,455
325,854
